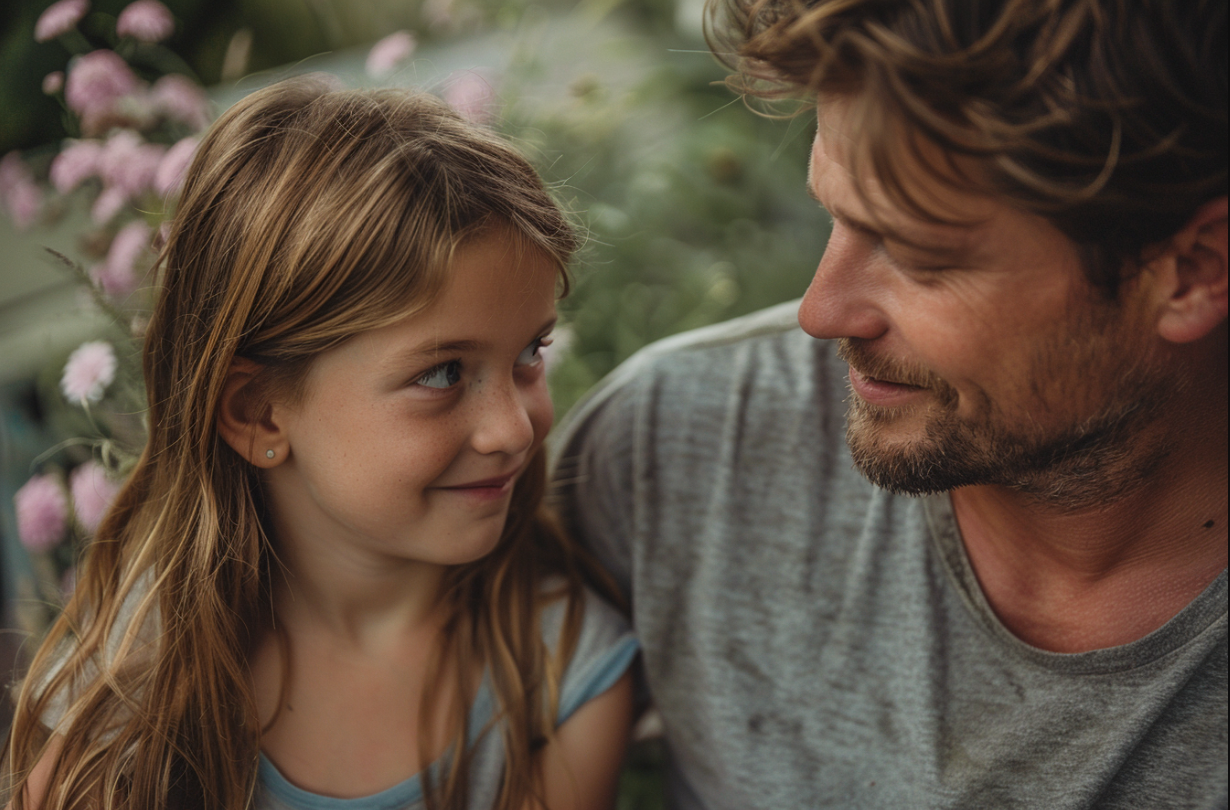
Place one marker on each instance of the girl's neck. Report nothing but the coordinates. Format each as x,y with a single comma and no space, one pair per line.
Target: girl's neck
364,602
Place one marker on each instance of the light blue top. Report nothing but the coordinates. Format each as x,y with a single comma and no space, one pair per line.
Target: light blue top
605,649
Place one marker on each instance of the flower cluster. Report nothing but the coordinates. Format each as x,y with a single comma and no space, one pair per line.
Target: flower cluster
137,137
134,135
387,54
19,193
59,19
88,372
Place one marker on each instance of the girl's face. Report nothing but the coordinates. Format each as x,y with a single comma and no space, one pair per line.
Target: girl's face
409,438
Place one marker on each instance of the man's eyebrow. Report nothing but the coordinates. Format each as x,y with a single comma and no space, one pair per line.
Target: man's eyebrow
886,232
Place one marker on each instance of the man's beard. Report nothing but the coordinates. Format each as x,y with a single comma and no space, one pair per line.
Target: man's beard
1098,457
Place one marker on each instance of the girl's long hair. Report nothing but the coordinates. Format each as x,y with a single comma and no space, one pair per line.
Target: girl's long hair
308,215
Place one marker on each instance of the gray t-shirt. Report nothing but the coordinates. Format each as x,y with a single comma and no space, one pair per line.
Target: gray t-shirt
812,641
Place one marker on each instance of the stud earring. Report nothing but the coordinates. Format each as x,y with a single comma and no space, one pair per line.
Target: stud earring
270,454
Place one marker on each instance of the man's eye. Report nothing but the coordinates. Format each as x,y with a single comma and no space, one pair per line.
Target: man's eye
531,353
445,375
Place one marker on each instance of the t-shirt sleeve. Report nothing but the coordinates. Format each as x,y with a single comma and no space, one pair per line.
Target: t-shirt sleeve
592,474
142,653
606,648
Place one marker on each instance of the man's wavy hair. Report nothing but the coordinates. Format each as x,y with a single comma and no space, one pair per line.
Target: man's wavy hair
1107,117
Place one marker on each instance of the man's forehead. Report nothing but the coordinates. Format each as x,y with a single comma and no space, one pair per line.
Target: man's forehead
841,178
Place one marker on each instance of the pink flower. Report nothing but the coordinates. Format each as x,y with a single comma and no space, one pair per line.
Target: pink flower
93,493
128,162
109,203
75,163
89,370
181,99
117,275
19,194
386,54
59,18
139,175
146,20
12,169
42,513
95,82
25,203
117,151
53,82
170,175
472,96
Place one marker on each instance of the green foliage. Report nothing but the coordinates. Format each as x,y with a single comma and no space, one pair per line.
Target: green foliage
696,207
640,784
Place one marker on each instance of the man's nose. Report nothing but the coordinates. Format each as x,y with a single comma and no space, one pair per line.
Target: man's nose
840,302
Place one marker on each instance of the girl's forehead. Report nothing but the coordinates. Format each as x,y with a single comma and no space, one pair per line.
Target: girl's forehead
494,293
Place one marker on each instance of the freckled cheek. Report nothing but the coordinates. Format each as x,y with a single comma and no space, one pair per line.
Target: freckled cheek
541,413
427,451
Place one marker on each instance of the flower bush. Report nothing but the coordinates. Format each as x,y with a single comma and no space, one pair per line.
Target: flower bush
134,131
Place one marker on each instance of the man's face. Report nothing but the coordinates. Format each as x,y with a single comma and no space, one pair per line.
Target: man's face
979,353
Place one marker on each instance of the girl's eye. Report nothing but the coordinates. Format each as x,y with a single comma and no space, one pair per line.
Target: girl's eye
531,353
445,375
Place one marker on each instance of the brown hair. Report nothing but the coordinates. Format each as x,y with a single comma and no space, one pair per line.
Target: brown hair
1108,117
308,215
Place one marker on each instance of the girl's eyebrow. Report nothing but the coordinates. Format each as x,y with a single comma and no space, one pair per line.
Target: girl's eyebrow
429,349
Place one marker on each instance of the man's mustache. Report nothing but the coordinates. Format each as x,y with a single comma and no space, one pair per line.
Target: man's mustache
857,354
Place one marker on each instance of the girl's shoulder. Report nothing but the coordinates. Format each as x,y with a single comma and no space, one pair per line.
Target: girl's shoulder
605,648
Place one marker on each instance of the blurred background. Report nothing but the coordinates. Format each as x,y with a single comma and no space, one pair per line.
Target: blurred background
694,206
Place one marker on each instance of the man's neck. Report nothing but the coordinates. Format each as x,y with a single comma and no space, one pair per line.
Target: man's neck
1076,580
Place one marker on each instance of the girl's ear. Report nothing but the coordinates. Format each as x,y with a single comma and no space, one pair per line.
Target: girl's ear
246,421
1192,272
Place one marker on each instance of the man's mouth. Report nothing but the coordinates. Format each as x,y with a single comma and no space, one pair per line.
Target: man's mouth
877,391
882,380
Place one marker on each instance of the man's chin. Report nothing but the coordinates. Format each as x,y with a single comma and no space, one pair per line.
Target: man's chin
890,460
902,473
914,453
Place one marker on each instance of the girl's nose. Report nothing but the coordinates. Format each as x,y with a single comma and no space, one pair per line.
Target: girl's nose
503,423
840,301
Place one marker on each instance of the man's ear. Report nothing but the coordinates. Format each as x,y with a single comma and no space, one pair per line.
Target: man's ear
1192,276
246,419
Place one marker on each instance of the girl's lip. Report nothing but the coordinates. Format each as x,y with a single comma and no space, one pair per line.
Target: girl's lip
880,392
499,482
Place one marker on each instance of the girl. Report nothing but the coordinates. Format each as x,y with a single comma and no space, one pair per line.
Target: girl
330,582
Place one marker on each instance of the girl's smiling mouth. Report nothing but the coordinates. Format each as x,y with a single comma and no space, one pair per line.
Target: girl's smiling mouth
487,488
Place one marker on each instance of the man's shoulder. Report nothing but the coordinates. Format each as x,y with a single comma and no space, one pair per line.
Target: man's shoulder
765,351
756,388
778,322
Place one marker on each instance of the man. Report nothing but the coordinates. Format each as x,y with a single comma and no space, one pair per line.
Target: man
1006,588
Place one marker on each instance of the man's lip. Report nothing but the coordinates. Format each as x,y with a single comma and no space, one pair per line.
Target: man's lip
882,393
881,380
